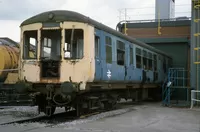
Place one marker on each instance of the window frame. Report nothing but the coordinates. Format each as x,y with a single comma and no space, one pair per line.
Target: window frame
98,49
71,58
26,56
43,46
155,60
140,55
144,56
150,58
131,55
108,45
123,49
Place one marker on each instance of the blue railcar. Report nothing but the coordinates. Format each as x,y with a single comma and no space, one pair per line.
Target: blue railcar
119,60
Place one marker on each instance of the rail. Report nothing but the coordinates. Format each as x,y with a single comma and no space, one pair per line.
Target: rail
156,20
193,97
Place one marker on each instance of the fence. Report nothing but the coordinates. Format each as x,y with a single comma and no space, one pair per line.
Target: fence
177,93
193,99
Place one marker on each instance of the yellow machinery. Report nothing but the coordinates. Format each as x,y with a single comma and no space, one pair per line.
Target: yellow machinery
8,61
9,56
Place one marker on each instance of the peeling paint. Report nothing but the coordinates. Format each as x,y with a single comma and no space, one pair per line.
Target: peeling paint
80,70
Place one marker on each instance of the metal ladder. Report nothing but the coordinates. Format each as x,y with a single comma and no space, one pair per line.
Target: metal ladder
175,80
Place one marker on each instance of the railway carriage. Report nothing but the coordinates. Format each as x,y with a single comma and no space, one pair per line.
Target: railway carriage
84,64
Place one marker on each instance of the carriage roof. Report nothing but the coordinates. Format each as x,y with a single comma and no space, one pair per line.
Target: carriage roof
64,15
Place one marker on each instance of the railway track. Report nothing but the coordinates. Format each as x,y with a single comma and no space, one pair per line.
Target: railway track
59,118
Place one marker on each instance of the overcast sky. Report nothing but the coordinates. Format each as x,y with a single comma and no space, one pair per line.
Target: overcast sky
13,12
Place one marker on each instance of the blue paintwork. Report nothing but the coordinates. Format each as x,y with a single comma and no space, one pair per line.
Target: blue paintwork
117,71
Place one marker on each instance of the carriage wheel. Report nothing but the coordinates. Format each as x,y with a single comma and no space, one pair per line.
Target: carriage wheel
50,111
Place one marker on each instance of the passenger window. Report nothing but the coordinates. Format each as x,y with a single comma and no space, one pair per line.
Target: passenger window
138,58
108,49
150,61
145,66
155,62
131,56
97,40
120,53
30,45
74,43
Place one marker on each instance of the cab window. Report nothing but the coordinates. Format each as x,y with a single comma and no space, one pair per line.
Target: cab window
74,43
30,44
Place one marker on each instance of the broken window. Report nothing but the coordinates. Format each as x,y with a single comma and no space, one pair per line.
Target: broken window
74,42
30,45
120,53
108,49
51,44
138,58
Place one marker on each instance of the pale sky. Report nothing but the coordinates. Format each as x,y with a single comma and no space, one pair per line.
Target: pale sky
13,12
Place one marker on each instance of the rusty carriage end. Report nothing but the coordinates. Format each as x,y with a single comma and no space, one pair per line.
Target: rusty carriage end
47,96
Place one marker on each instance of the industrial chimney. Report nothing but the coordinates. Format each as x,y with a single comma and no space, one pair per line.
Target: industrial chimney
165,9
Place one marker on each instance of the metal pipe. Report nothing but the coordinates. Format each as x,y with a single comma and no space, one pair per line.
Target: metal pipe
9,70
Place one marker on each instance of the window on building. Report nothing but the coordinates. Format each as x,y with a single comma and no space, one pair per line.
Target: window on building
155,62
145,65
108,49
138,58
120,53
74,43
150,61
97,41
131,56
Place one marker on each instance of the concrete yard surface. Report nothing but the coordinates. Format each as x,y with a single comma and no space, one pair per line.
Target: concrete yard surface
147,117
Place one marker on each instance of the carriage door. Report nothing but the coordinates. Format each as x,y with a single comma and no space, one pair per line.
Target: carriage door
98,67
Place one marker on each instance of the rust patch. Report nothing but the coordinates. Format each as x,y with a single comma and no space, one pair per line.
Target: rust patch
49,80
117,85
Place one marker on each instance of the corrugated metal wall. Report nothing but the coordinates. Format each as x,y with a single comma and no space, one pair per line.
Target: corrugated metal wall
179,52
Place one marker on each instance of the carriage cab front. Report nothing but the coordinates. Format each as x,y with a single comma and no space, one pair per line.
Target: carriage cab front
62,50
